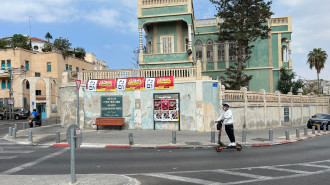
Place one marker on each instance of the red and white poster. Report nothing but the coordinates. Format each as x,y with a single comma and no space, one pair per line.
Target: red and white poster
106,85
166,82
165,104
133,84
157,104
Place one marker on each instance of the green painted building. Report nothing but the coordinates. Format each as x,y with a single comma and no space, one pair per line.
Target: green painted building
174,38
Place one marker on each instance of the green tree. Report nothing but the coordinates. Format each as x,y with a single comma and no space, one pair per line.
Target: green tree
3,44
243,21
48,36
310,87
316,59
287,84
20,41
80,53
62,45
47,47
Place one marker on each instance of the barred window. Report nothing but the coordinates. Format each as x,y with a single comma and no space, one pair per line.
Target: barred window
167,44
232,51
221,52
199,50
209,50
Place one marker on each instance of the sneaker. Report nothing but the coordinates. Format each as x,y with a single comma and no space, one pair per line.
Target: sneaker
232,144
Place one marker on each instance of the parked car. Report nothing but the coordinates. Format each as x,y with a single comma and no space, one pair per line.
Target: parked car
319,119
18,113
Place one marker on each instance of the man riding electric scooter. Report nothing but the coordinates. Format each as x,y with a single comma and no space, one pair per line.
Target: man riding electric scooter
227,119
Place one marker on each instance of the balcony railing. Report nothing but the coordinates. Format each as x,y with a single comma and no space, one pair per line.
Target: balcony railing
282,20
206,22
161,2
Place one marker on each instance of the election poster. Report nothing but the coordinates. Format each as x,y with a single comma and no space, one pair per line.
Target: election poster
166,107
106,85
136,83
166,82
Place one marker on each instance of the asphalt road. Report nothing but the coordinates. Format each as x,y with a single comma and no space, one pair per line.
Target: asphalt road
306,162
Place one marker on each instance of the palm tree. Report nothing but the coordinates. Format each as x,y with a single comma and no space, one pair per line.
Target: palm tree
317,59
48,36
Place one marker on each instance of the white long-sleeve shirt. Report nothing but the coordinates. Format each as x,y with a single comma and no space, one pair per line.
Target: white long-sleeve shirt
228,115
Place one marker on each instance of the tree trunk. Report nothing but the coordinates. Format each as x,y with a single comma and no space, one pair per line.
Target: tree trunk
318,83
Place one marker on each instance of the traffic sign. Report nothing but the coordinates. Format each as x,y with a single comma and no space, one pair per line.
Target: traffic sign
78,82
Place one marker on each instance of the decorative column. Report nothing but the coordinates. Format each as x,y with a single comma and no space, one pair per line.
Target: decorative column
189,37
215,56
227,54
204,61
140,46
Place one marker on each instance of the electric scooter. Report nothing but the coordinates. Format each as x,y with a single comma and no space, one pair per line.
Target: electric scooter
221,145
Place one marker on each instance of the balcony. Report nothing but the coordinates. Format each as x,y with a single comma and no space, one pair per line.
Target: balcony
162,2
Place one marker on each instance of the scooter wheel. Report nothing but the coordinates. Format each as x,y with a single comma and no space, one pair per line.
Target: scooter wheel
218,148
238,147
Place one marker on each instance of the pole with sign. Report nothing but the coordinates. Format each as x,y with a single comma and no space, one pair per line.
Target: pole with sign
78,82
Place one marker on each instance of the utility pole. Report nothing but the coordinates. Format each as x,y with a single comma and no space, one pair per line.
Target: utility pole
10,70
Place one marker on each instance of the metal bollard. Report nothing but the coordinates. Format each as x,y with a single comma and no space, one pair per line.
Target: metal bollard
34,124
56,121
318,129
30,136
14,133
212,137
313,129
271,133
10,131
244,136
287,136
297,133
324,128
173,137
329,128
305,131
15,126
24,126
58,137
130,139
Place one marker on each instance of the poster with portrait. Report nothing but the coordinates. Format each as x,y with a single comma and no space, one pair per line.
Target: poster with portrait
166,107
165,104
158,115
157,104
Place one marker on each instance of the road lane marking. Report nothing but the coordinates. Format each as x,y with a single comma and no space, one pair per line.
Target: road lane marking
22,167
242,174
183,179
315,165
287,170
16,152
7,157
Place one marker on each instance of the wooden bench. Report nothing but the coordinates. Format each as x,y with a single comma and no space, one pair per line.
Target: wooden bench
109,122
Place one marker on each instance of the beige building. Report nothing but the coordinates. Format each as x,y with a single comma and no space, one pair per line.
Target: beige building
37,77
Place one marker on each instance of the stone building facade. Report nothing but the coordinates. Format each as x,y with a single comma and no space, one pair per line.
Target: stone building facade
37,77
174,38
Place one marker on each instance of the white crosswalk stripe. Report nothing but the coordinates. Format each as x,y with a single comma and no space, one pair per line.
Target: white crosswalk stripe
7,157
16,151
290,171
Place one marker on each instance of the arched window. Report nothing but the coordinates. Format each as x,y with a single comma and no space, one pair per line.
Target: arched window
232,51
284,53
8,84
199,50
209,50
27,85
3,84
221,52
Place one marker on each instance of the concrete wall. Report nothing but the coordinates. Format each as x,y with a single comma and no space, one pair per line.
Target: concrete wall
199,107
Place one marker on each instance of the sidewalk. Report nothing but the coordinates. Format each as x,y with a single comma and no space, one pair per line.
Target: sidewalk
45,135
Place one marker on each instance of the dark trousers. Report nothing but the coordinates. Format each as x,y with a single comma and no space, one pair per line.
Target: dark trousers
230,132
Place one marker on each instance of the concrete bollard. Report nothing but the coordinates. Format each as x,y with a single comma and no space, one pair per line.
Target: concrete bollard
58,137
297,133
173,137
10,131
271,133
244,136
318,129
313,129
287,136
15,126
305,131
130,139
14,133
212,137
30,137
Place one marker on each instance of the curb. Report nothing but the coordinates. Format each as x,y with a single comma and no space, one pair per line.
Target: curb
209,146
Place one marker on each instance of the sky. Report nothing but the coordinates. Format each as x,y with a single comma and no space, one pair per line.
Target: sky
109,28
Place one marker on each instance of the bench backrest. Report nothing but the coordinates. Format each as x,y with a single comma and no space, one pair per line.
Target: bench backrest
110,120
